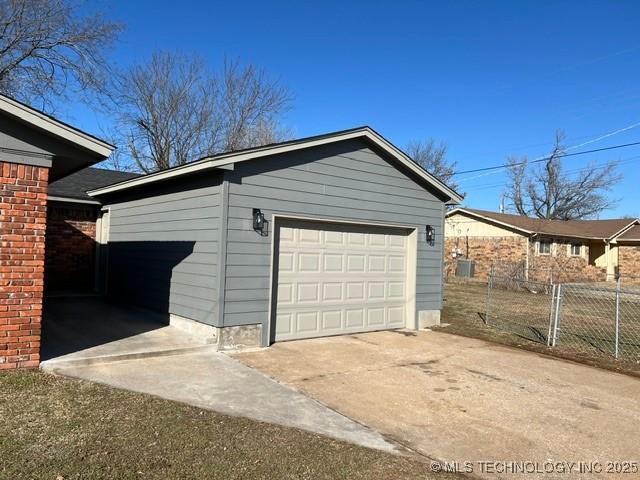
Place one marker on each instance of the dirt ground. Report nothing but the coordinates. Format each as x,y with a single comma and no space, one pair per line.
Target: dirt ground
463,314
466,400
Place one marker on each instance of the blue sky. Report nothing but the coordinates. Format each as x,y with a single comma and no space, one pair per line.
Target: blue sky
489,78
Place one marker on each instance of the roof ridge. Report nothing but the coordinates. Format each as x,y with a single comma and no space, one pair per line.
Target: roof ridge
580,228
509,214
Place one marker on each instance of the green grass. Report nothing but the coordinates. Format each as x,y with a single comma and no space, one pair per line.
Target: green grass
54,427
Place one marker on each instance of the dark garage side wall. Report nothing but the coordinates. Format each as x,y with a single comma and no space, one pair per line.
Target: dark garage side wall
163,244
343,181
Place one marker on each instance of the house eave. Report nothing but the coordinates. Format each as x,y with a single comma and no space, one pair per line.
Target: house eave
55,127
55,198
490,220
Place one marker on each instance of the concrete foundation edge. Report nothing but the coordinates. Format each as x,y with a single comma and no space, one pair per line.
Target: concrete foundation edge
224,338
428,318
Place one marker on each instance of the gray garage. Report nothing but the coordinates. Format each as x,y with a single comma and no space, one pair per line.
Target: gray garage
327,235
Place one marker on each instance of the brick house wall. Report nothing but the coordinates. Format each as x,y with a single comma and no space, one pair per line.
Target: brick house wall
510,252
70,246
561,266
629,261
509,255
23,217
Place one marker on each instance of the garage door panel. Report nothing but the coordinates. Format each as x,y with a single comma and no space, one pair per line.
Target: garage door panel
332,292
377,263
396,263
332,321
375,317
287,262
308,293
355,318
332,282
395,316
396,290
355,291
355,263
285,293
334,239
284,324
333,262
307,322
376,291
309,262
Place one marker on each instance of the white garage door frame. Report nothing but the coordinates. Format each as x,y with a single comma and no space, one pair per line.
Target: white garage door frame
412,255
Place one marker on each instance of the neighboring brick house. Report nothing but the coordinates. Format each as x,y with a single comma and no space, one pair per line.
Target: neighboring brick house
35,149
70,257
569,251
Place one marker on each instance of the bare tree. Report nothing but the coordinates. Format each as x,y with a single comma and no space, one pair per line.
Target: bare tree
432,157
173,110
46,48
546,191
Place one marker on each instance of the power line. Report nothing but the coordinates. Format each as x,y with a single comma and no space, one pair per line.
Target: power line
544,159
606,135
624,161
572,147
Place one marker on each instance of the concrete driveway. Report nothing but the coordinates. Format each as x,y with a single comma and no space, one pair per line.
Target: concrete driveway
89,338
459,399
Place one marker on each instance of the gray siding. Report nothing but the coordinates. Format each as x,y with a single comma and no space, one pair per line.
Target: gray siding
344,181
163,247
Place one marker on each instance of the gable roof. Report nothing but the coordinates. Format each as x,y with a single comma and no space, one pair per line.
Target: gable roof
75,186
630,235
226,160
589,229
64,131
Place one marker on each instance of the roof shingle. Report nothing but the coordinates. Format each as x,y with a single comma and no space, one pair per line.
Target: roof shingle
633,234
596,229
76,185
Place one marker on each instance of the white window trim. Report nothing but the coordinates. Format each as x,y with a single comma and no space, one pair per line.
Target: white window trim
545,240
570,250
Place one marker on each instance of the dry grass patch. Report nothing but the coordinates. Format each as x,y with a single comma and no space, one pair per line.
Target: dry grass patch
464,308
55,427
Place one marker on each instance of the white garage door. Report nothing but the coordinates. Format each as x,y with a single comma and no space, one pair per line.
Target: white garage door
339,279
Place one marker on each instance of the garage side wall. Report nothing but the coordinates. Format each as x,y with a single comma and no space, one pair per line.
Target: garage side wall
345,181
163,247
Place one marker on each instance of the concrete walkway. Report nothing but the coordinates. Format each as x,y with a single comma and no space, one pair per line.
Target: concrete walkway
214,381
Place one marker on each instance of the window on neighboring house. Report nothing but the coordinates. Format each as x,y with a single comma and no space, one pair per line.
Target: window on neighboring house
576,249
544,247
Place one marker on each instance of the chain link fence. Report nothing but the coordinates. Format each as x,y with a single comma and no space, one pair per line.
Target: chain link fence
519,306
601,319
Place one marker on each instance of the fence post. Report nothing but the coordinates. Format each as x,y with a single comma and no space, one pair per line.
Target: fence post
551,315
557,314
488,302
617,317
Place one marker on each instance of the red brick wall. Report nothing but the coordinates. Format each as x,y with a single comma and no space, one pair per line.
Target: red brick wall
70,246
23,217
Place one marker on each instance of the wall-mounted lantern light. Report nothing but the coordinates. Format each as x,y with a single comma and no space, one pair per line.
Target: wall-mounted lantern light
431,235
258,221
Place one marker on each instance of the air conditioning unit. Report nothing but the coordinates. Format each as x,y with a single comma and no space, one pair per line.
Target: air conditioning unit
465,268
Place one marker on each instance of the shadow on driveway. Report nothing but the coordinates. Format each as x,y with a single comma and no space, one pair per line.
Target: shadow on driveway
72,324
